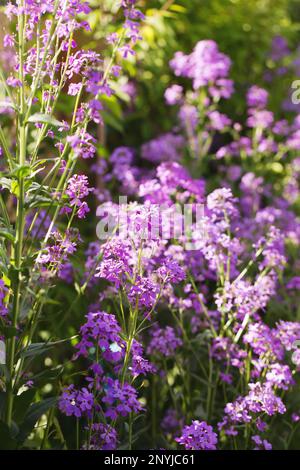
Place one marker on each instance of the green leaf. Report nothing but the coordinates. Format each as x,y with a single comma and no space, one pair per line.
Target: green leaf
6,440
6,280
34,413
40,201
15,188
48,375
8,331
13,274
40,196
45,119
21,171
7,234
4,371
5,182
35,349
2,405
178,8
112,121
22,403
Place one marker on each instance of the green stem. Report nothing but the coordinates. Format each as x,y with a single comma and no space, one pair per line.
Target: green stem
17,287
37,308
20,220
77,434
153,411
46,433
209,391
130,432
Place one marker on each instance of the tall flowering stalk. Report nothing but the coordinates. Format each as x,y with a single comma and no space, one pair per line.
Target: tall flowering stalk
44,193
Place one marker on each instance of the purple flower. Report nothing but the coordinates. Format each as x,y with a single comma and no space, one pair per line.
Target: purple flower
173,94
115,263
83,210
170,271
287,333
14,82
221,201
261,425
260,118
8,40
241,146
226,378
74,88
279,48
77,189
103,331
122,156
66,273
223,88
294,283
111,270
198,436
144,292
164,341
104,437
205,65
189,117
82,145
234,172
261,444
280,375
225,351
262,340
76,403
218,121
257,97
140,365
121,399
274,249
58,251
260,399
167,147
171,423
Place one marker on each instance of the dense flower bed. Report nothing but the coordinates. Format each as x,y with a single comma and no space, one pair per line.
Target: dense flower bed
191,338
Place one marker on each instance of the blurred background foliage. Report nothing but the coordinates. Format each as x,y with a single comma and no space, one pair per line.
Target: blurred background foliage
243,29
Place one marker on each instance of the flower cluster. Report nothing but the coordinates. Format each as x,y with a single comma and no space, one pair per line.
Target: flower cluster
102,331
198,436
50,258
164,342
76,402
206,66
104,437
121,399
78,189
